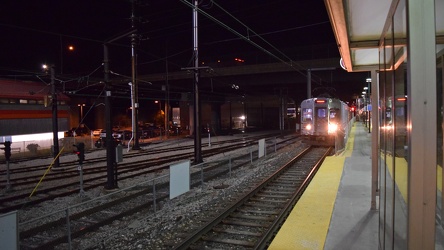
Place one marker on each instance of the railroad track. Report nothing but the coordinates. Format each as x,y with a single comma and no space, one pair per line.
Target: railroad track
47,235
251,221
96,176
149,152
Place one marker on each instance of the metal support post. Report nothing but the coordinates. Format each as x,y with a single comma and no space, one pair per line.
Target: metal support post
154,196
275,144
82,192
209,139
68,229
8,184
229,165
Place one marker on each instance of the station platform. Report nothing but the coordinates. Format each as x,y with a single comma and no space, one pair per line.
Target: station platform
335,210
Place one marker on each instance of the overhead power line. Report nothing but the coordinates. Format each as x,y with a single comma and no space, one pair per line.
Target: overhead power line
246,38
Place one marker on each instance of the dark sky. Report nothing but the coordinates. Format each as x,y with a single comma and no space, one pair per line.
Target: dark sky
36,32
40,31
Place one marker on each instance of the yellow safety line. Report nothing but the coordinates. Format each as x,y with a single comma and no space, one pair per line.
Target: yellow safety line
307,225
49,168
348,150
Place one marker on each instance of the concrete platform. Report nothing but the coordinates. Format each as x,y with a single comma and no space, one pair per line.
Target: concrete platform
335,210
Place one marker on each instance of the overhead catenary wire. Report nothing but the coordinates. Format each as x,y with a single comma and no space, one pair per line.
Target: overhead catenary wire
290,62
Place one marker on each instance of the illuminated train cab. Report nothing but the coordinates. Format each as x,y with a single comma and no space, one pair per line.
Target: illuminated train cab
322,119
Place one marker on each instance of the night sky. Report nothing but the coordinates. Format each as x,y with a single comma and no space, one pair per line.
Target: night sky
37,32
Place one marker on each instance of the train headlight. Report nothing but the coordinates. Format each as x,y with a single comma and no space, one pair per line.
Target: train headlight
308,127
332,128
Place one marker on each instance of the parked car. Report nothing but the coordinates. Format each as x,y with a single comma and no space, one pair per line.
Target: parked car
151,131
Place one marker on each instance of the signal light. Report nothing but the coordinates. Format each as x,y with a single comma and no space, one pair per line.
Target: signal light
80,152
320,101
7,150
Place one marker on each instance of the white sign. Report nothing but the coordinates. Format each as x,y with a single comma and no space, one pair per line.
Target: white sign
261,148
179,179
9,231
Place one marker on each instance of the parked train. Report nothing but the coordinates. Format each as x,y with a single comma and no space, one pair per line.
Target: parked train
324,119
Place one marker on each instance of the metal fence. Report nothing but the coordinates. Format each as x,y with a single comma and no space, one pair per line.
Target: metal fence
152,183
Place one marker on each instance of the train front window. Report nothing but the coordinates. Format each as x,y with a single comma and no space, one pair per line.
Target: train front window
334,114
307,114
322,113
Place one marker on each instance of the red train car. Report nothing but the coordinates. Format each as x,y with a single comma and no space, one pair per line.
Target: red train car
26,108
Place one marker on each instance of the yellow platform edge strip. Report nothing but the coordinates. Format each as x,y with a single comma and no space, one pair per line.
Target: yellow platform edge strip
307,225
350,142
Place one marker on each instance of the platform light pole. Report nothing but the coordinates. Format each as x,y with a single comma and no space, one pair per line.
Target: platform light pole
368,80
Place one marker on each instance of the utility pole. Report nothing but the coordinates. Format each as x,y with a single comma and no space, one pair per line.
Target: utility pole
196,68
111,164
55,125
167,99
197,132
134,98
309,78
111,182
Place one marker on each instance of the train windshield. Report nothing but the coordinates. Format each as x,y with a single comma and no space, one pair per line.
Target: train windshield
334,114
322,113
307,114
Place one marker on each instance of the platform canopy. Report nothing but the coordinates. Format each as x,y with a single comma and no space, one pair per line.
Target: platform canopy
358,25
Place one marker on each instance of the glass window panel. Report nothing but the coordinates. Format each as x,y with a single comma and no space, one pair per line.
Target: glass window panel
384,125
439,144
307,114
400,105
439,17
322,113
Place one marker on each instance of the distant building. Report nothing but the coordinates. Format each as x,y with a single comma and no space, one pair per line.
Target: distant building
26,112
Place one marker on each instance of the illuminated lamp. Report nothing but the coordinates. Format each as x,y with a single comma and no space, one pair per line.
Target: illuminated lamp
332,127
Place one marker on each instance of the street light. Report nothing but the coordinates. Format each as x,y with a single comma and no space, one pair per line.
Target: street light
160,104
159,118
81,112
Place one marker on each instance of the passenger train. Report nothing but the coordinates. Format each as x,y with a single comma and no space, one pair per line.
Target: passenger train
324,119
